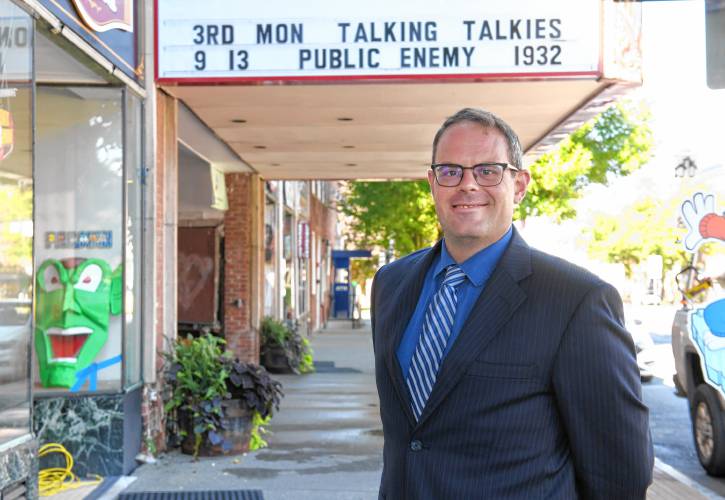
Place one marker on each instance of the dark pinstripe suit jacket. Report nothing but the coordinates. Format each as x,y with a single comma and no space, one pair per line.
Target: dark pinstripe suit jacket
538,398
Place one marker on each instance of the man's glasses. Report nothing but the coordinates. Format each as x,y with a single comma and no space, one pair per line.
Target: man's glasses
485,174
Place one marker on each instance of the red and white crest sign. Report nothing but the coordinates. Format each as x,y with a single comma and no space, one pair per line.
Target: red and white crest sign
104,15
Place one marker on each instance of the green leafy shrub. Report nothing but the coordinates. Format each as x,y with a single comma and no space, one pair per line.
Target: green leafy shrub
202,375
277,335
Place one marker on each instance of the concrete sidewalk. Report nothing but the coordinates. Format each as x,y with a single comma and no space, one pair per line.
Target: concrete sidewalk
327,438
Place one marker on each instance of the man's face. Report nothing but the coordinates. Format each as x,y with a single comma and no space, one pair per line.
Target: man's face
74,300
473,216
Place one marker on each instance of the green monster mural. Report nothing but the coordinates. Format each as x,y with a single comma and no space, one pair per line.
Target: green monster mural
75,298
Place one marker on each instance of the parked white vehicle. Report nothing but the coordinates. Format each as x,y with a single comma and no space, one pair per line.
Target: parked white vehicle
698,329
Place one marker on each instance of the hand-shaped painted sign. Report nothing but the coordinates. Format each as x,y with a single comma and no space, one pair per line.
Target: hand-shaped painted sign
702,222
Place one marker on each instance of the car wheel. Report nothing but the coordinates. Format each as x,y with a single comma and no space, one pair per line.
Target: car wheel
708,430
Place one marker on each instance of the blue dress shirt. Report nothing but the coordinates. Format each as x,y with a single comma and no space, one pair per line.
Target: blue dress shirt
477,268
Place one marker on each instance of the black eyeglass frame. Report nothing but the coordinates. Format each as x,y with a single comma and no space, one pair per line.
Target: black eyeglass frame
503,166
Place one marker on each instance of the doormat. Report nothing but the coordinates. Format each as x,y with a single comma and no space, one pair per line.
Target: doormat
193,495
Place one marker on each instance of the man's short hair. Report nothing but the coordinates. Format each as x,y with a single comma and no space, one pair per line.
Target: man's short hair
488,120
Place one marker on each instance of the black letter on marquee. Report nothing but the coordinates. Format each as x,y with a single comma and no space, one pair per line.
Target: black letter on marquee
199,30
305,55
264,33
430,31
344,27
227,34
555,31
469,25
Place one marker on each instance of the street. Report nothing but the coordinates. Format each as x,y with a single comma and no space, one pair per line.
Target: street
669,418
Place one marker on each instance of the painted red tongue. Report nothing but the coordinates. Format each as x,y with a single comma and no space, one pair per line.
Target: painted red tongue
67,346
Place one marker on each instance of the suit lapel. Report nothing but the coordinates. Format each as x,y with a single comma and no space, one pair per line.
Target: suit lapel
408,292
501,296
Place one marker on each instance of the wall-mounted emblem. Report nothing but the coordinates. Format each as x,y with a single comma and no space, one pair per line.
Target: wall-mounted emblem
104,15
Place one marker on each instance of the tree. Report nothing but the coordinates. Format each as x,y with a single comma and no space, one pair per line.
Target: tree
381,211
647,227
16,247
615,143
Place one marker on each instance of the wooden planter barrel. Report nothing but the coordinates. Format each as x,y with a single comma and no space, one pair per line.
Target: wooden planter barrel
238,423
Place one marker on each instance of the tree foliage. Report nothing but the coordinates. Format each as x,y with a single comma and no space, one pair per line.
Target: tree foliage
15,247
401,211
647,227
615,143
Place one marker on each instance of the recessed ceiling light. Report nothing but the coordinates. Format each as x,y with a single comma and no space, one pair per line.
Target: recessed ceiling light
344,119
260,147
239,120
349,147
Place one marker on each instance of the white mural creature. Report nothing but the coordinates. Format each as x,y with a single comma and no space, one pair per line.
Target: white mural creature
707,324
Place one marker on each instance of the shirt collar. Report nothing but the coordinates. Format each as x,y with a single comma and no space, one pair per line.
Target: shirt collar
479,266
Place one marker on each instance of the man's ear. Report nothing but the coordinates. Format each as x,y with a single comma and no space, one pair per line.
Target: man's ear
117,290
521,182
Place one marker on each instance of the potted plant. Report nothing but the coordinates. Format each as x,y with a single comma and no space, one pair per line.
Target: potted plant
220,404
283,349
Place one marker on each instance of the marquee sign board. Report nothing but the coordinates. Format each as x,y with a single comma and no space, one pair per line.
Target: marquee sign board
217,40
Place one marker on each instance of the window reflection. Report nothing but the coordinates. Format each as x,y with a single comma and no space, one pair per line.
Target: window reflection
16,224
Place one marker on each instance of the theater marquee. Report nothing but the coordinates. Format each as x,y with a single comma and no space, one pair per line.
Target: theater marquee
217,40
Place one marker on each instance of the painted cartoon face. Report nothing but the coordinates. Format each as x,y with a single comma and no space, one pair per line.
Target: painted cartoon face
75,298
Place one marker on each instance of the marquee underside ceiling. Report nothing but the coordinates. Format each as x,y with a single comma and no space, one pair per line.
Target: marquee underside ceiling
377,130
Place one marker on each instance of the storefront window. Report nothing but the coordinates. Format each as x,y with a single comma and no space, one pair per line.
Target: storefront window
270,257
80,240
16,219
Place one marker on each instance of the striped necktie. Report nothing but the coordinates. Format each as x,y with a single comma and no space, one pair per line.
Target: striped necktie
437,327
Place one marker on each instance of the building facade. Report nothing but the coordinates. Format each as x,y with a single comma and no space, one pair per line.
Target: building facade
71,236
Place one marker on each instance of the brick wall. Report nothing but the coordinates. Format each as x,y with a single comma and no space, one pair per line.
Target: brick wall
322,222
242,249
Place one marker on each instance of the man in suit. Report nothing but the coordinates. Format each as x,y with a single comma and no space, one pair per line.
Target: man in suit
503,372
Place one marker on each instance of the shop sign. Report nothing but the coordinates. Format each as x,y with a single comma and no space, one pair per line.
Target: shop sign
217,40
78,239
108,26
219,189
104,15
